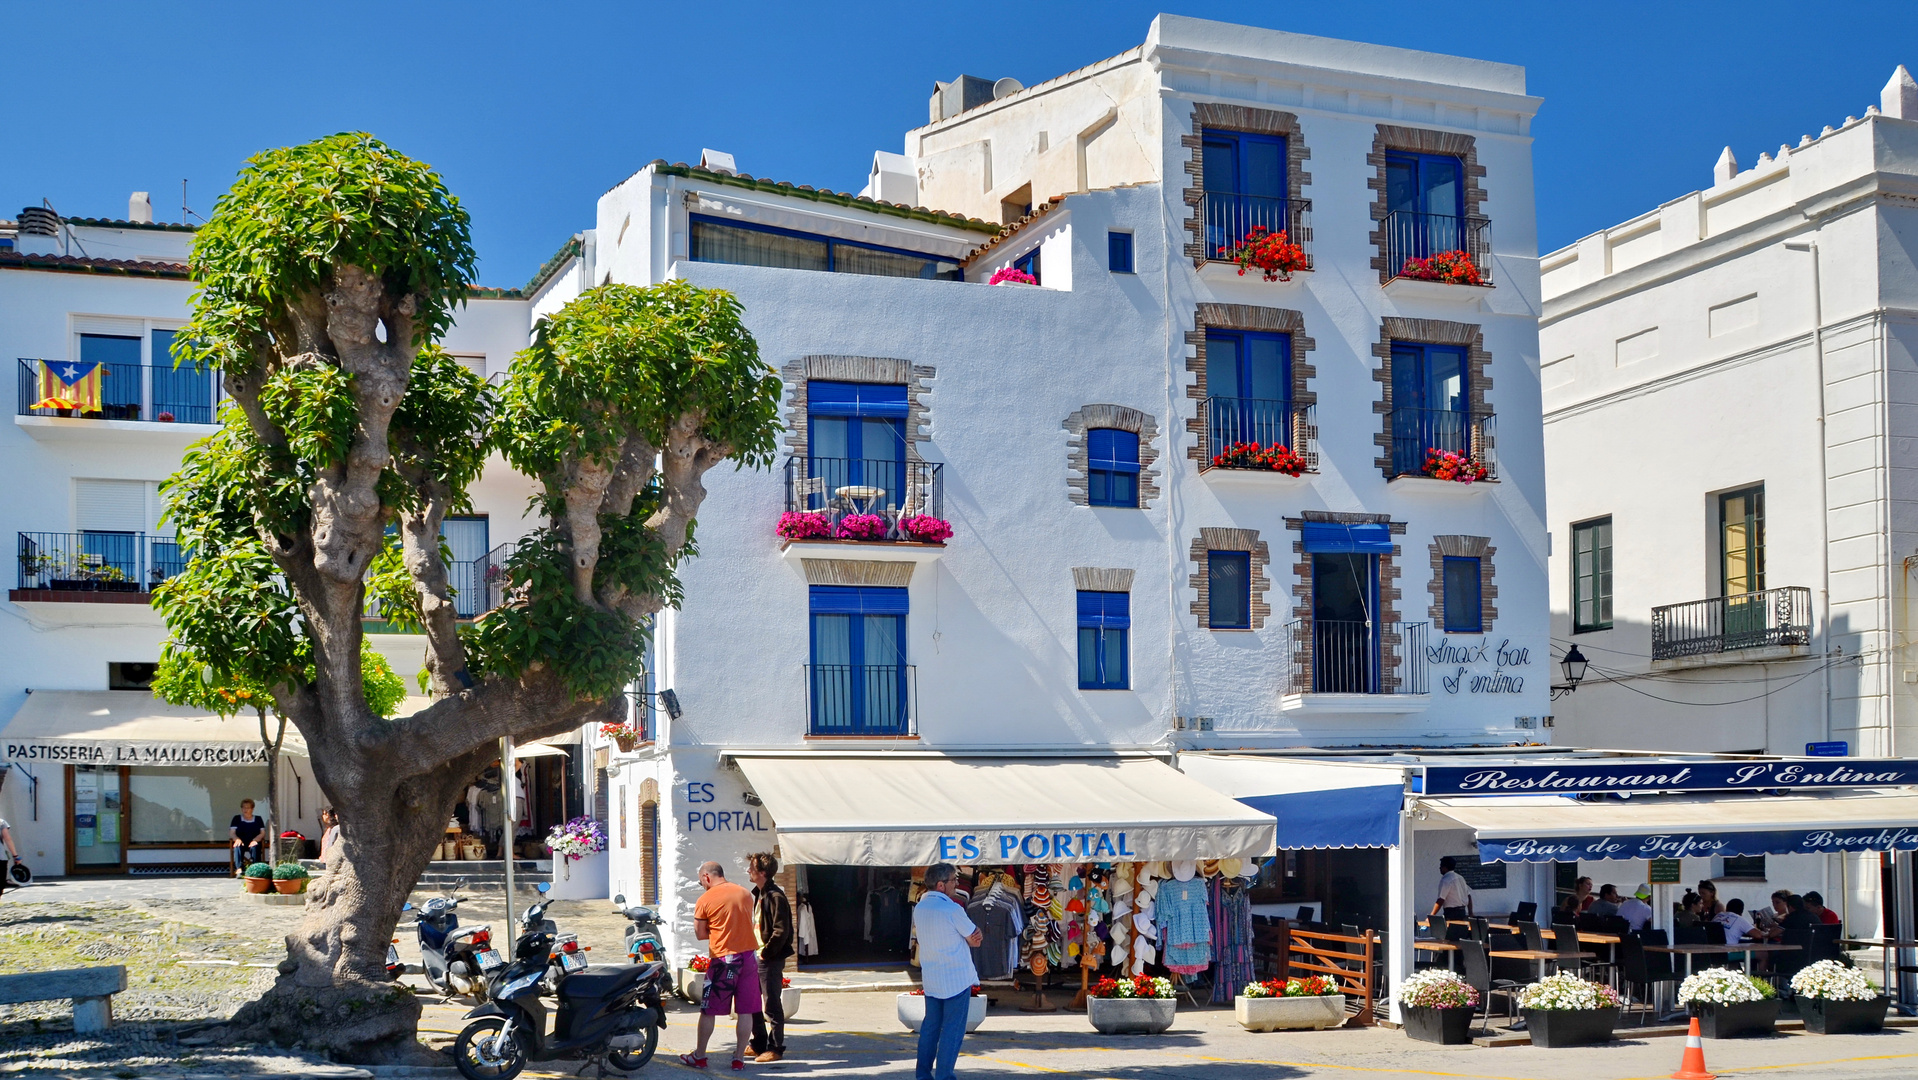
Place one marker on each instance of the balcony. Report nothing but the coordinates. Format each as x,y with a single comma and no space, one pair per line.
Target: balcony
133,392
478,585
864,501
873,700
1228,218
1245,432
1758,625
1416,433
1357,667
94,567
1410,236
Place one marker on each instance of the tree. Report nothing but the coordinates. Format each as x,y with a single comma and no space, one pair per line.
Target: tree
184,678
325,276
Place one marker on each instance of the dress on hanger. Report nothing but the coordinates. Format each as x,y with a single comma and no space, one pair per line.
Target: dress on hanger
1231,911
1185,930
806,931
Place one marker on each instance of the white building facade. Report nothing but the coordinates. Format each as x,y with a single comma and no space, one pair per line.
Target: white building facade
1727,383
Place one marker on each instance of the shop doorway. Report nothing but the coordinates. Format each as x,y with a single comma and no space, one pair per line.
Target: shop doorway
863,914
1340,887
96,839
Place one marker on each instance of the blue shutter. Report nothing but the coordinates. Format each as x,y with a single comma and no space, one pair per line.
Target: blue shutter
1105,610
1334,538
856,399
1112,450
857,600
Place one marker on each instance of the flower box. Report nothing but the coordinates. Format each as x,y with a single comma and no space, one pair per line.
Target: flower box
1131,1016
1829,1016
1553,1028
1314,1012
912,1011
1734,1020
692,985
1447,1027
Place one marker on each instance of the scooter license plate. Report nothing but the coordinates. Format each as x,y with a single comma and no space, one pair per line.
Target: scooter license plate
489,960
571,962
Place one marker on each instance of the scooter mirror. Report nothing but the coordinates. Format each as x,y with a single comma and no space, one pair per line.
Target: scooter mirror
408,906
544,886
619,900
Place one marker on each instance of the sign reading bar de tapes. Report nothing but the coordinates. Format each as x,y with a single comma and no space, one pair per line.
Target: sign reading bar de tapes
1636,775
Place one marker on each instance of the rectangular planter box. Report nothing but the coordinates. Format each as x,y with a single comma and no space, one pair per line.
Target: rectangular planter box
912,1011
1824,1016
1315,1013
1737,1020
1447,1027
1570,1027
1131,1016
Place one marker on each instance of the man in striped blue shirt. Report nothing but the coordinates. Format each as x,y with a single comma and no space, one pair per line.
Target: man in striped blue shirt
946,975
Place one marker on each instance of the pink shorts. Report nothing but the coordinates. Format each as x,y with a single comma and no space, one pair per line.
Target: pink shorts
732,986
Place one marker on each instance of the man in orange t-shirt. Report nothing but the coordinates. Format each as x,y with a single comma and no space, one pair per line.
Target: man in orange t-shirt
724,917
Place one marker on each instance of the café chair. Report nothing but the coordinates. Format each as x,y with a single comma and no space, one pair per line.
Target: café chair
1478,974
1636,974
1565,940
1534,940
1525,912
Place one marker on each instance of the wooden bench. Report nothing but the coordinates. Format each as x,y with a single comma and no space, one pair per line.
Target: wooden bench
91,988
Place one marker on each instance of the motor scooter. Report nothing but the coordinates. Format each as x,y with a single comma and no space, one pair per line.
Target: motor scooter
610,1013
643,944
452,956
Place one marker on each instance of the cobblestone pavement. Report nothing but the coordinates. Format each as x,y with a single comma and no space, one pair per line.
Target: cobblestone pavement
188,944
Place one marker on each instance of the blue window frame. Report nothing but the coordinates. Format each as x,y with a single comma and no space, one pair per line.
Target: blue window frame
1105,622
1119,252
858,671
739,243
1431,409
1112,467
1464,600
1424,204
856,437
1029,262
184,391
1244,180
1345,624
119,374
1248,386
1228,576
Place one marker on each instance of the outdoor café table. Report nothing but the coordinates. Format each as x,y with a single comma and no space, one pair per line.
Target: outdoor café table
861,496
1435,946
1746,947
1540,956
1886,970
1585,937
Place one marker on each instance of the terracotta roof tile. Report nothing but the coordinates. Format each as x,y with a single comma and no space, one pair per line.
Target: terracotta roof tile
76,264
823,195
1012,230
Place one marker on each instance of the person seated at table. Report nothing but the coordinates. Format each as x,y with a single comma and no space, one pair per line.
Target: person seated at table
1796,916
1815,905
1737,927
1708,905
1688,911
1606,905
1575,904
1635,911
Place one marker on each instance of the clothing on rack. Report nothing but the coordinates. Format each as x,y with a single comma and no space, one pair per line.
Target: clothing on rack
805,929
1233,965
996,911
891,918
1185,930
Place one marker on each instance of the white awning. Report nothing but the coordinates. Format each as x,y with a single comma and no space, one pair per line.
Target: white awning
1539,828
901,810
132,727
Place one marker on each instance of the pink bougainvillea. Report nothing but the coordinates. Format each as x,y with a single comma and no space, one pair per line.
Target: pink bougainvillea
800,526
861,527
926,529
1012,274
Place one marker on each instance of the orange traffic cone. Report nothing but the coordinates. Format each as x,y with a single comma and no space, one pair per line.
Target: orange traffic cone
1692,1066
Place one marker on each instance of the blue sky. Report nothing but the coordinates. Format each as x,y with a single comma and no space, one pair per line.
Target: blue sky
531,111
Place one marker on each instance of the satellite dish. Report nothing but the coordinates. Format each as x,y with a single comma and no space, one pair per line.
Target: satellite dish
1006,87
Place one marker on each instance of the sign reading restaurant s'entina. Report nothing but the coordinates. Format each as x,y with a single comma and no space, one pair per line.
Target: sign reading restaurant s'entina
81,752
1661,776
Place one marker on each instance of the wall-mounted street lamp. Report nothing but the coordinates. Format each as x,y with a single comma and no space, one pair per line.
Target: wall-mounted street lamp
1574,667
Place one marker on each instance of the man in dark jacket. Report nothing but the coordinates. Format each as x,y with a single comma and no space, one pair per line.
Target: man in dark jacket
773,916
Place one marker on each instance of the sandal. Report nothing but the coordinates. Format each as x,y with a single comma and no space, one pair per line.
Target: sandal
739,1065
692,1062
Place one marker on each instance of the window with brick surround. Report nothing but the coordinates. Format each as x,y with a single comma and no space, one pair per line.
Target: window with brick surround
1229,581
1235,561
1464,604
1112,467
1105,627
1464,584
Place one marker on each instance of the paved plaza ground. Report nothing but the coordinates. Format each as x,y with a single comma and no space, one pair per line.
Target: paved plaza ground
197,948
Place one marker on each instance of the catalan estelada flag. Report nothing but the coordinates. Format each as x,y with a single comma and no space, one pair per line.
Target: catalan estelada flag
69,384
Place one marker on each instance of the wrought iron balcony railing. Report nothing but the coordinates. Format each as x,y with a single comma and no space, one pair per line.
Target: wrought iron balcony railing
182,395
862,699
1417,432
1357,657
1420,236
1228,218
1724,623
97,561
889,490
1266,422
479,585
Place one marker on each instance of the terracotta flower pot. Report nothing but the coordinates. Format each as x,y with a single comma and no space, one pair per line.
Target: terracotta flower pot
626,743
258,884
288,886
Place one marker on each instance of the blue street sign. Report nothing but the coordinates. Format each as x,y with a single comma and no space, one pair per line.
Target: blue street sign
1827,749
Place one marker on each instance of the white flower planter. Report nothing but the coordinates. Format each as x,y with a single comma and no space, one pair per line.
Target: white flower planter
1016,285
912,1011
789,1000
1315,1013
692,985
580,879
1131,1016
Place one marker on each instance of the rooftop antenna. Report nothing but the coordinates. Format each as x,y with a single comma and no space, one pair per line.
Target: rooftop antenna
186,211
68,240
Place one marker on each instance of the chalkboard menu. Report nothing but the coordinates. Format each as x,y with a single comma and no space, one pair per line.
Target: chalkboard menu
1479,876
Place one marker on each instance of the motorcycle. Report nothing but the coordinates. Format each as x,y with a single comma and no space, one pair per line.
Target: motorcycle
643,944
605,1013
453,957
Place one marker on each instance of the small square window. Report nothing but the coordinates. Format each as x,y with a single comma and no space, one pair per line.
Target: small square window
1464,601
1105,621
1228,590
1112,467
1119,252
130,676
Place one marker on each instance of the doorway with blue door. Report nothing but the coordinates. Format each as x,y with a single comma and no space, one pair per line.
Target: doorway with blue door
1424,206
858,681
1431,404
1245,187
1248,385
1347,623
856,446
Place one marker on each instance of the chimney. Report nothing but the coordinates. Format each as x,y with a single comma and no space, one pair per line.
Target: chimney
965,92
140,208
717,161
1900,96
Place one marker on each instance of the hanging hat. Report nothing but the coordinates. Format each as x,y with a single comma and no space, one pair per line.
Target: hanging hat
1076,882
1100,903
1231,867
1058,872
1209,867
1146,953
1038,963
1117,955
1076,905
1154,870
1142,922
1121,886
1184,869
